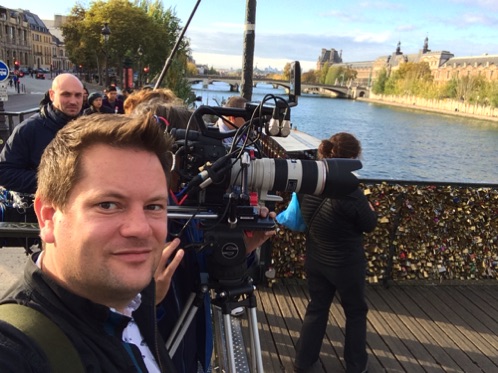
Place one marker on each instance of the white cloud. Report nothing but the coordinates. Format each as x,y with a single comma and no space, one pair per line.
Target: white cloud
406,28
477,19
378,37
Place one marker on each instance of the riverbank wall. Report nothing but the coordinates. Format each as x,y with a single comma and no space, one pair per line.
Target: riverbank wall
446,106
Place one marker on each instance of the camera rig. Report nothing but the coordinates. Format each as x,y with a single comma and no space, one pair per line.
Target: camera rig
224,177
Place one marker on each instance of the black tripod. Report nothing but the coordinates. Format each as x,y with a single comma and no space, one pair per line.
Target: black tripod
230,288
229,341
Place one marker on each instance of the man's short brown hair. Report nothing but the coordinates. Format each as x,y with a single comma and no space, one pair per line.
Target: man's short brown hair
60,165
144,95
236,101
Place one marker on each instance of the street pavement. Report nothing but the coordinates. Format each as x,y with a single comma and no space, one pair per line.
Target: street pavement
12,261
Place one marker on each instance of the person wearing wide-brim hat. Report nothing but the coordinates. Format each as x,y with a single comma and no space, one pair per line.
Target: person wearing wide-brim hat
95,102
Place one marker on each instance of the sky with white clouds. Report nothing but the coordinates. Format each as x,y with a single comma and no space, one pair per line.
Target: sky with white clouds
288,30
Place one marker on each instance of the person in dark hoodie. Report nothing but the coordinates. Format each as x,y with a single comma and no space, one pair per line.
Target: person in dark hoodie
96,106
21,154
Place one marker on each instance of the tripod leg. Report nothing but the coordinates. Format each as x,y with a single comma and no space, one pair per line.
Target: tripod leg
191,307
178,324
231,349
256,357
229,342
183,330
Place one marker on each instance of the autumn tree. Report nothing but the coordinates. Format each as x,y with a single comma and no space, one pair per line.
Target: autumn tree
286,72
157,34
309,77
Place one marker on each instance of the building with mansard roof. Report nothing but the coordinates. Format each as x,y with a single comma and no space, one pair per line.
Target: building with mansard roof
27,41
60,61
331,57
15,38
458,67
41,41
367,71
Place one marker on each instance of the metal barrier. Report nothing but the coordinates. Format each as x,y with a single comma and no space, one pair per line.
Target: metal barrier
13,119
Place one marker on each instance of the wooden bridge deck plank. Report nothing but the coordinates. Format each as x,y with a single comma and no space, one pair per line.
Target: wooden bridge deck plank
275,331
385,322
412,328
426,349
441,324
466,322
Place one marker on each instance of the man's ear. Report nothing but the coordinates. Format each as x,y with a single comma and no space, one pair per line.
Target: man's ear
45,213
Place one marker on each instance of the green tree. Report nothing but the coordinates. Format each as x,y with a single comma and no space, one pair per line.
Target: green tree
493,93
322,73
212,71
449,89
335,75
167,32
379,84
157,34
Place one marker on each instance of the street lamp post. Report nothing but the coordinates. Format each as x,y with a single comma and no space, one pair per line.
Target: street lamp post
140,53
106,31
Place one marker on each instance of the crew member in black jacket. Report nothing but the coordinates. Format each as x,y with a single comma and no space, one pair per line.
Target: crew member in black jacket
335,261
101,206
21,154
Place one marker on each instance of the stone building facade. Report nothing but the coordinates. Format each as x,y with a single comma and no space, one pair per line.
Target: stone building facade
27,42
443,64
15,38
458,67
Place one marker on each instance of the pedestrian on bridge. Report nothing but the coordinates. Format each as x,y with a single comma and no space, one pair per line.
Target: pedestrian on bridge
336,262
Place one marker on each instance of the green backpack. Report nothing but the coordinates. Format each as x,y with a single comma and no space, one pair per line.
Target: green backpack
62,355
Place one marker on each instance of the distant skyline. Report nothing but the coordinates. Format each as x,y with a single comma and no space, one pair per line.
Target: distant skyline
288,30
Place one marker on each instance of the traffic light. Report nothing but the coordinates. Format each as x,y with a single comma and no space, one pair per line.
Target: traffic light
16,65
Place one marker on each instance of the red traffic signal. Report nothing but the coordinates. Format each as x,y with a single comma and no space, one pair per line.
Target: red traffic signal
146,69
16,64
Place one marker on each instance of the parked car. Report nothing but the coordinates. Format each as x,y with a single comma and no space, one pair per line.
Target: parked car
40,76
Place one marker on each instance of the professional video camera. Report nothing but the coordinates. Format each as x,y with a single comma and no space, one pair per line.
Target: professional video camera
225,176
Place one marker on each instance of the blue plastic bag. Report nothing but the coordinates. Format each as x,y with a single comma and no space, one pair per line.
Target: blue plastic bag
291,217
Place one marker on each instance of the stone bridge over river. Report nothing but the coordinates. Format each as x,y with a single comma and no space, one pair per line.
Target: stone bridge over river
341,91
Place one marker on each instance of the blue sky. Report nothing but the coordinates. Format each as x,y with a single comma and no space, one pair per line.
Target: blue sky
288,30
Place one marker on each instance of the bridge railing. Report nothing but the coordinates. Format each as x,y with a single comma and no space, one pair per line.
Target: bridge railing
9,119
427,230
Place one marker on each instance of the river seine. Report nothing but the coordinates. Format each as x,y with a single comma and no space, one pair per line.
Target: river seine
398,144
